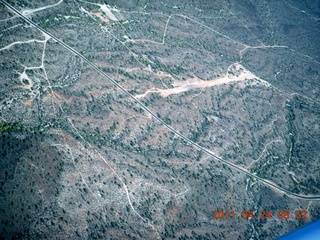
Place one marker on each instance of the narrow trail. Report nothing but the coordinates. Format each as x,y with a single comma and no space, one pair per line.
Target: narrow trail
263,151
26,12
21,42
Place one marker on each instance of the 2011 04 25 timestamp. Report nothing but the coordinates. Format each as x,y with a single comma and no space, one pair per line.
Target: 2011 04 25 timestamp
262,214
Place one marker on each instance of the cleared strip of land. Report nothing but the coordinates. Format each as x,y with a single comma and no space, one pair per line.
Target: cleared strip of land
195,83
